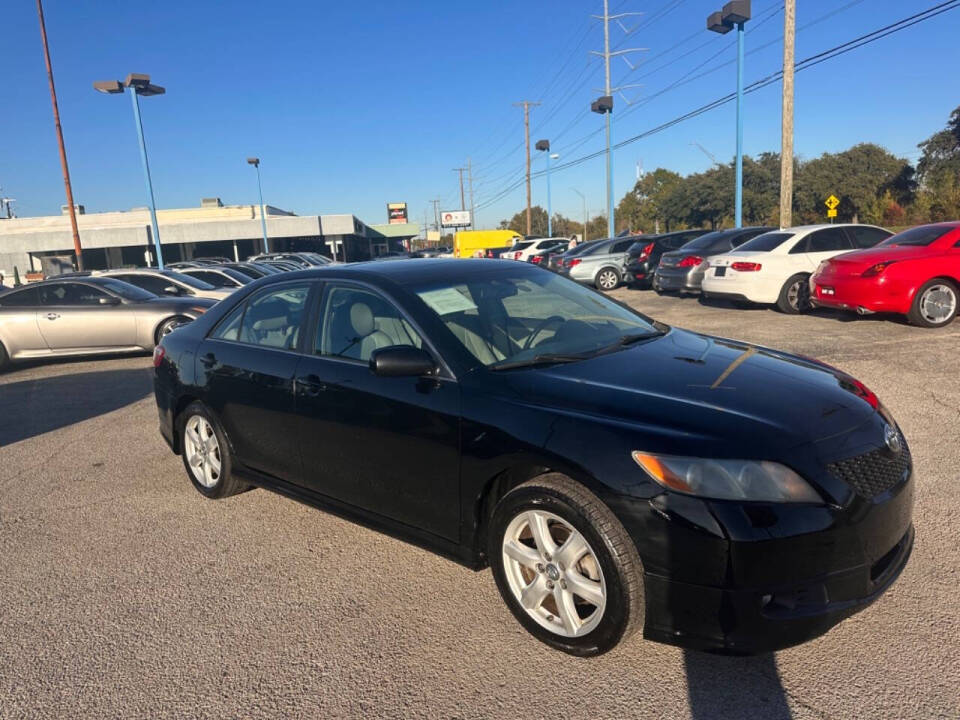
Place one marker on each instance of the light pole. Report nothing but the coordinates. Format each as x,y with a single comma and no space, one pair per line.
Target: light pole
604,106
544,145
263,216
584,198
138,84
735,13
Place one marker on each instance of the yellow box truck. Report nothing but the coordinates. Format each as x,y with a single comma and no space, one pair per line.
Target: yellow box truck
467,242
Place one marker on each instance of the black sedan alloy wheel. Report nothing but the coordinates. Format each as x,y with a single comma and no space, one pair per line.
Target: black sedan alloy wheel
565,566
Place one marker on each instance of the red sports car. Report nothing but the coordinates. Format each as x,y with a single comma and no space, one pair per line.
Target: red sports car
914,273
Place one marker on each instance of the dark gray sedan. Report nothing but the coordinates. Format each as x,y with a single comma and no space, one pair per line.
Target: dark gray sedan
682,270
87,315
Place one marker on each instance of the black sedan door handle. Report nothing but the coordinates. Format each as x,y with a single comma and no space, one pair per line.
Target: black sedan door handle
208,360
310,385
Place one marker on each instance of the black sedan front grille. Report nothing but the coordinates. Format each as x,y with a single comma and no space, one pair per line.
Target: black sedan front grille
875,472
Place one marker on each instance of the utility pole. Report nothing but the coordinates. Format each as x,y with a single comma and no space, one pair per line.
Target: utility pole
77,250
611,220
526,133
463,203
473,225
436,214
786,142
604,104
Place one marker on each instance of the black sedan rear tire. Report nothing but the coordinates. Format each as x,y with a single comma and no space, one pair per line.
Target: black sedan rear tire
565,566
206,453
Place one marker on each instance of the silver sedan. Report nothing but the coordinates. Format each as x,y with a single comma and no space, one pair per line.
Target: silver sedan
85,315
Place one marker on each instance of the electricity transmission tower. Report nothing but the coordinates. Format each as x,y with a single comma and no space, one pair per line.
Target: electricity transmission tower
604,104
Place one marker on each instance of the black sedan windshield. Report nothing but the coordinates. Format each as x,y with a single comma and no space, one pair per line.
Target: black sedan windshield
531,319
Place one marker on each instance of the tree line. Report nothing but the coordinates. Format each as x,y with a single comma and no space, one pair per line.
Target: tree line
873,185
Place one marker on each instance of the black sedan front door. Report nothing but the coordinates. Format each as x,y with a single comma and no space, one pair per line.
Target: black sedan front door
389,445
247,365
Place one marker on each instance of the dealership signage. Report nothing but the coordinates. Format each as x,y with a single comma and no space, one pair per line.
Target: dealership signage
455,218
397,213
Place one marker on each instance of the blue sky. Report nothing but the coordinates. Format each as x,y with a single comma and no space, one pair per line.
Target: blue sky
354,105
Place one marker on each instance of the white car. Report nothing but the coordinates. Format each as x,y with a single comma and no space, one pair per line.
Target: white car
774,268
532,247
167,282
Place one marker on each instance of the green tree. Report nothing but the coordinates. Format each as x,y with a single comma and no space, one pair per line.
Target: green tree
859,177
939,171
518,223
642,208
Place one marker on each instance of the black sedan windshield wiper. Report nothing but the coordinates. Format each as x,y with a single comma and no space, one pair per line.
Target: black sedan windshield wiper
536,360
625,340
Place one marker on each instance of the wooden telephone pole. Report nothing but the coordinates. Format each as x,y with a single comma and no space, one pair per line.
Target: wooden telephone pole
786,142
526,132
463,202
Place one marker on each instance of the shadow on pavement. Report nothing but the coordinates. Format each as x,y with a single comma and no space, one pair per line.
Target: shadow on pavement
734,687
34,407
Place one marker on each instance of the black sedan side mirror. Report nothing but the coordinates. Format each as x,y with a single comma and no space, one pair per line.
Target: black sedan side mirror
110,300
402,361
171,290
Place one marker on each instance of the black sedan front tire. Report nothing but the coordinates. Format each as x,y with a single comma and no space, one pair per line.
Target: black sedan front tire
565,566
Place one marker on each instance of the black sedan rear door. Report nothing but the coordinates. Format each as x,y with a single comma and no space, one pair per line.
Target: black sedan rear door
247,366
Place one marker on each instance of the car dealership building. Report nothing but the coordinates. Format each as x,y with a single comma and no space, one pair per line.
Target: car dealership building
124,238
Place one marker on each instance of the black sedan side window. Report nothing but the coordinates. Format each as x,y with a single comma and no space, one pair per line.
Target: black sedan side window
271,318
354,322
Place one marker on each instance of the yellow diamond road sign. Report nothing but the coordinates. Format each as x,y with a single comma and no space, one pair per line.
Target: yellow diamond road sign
831,202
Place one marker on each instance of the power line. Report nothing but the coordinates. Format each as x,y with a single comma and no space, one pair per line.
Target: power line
800,66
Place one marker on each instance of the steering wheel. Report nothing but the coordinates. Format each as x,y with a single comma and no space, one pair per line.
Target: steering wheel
541,326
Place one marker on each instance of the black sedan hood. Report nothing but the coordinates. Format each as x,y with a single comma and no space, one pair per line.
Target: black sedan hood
683,386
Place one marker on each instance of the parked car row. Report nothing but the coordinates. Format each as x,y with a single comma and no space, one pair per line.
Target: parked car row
861,268
83,314
122,310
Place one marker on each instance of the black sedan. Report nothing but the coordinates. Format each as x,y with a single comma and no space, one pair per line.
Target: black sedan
682,270
615,473
644,255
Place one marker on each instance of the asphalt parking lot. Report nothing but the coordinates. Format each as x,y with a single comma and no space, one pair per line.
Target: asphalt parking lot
124,593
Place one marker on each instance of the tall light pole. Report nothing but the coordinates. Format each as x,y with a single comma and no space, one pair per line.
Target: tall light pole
77,250
734,15
584,198
263,214
544,146
138,84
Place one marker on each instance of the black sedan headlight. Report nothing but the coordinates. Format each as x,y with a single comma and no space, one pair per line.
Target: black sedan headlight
748,480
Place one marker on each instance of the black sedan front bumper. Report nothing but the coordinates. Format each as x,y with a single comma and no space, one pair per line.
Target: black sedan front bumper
752,578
